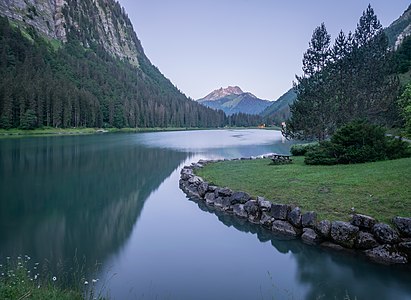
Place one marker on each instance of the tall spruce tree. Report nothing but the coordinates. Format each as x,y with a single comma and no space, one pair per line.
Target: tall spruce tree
311,112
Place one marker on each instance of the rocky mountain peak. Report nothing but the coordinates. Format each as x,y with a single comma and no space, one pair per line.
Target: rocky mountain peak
223,92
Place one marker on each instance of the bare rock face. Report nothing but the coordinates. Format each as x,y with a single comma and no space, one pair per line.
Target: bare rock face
344,233
56,18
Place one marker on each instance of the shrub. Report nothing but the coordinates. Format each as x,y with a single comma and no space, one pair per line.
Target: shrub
357,142
301,149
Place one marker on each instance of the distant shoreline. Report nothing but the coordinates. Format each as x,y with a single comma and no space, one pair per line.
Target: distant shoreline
20,133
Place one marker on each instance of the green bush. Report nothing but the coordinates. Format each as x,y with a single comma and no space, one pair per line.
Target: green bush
301,149
357,142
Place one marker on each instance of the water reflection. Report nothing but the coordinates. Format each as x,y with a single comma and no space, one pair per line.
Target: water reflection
327,274
62,196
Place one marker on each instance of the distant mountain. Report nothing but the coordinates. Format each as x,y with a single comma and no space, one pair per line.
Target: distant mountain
399,29
279,110
233,100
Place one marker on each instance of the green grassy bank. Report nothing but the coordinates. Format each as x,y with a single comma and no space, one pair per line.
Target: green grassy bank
379,189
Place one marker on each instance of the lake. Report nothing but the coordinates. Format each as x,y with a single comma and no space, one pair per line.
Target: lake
112,204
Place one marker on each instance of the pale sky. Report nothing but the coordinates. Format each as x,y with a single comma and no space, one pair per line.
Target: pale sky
202,45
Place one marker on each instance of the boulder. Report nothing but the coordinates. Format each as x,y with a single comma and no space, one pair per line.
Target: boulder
405,247
212,188
218,202
403,225
202,189
195,180
363,221
226,204
365,240
279,211
387,254
239,198
309,219
266,220
264,204
239,211
284,228
210,198
344,233
294,217
253,210
324,228
309,236
385,234
223,192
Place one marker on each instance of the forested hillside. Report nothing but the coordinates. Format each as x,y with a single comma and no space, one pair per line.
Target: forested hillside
92,76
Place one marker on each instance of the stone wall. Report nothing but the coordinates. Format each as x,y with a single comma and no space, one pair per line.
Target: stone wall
378,241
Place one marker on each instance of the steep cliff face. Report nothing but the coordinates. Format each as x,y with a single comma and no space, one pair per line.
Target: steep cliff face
94,22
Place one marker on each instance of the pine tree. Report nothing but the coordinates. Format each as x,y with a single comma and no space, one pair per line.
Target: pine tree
312,111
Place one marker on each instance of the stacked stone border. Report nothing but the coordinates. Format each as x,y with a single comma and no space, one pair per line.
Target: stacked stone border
378,241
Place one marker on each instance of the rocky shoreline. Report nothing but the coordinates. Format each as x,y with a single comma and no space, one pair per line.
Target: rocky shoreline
378,241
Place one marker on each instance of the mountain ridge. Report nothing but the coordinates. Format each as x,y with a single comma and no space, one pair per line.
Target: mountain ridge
234,100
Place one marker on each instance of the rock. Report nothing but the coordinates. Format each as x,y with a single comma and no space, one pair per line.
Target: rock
284,228
212,188
186,173
405,247
332,246
264,204
385,234
365,240
239,211
403,225
195,180
202,189
251,207
222,203
363,221
294,217
310,236
309,219
223,192
324,228
239,198
279,211
266,220
210,198
344,233
386,254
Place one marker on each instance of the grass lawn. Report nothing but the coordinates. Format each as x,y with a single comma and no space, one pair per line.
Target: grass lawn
379,189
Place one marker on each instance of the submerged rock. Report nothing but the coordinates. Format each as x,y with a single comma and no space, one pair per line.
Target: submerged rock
387,254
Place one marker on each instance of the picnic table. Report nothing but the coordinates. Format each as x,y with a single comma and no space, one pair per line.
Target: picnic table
281,158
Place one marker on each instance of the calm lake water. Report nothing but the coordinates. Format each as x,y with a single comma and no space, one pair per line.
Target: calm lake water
114,199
